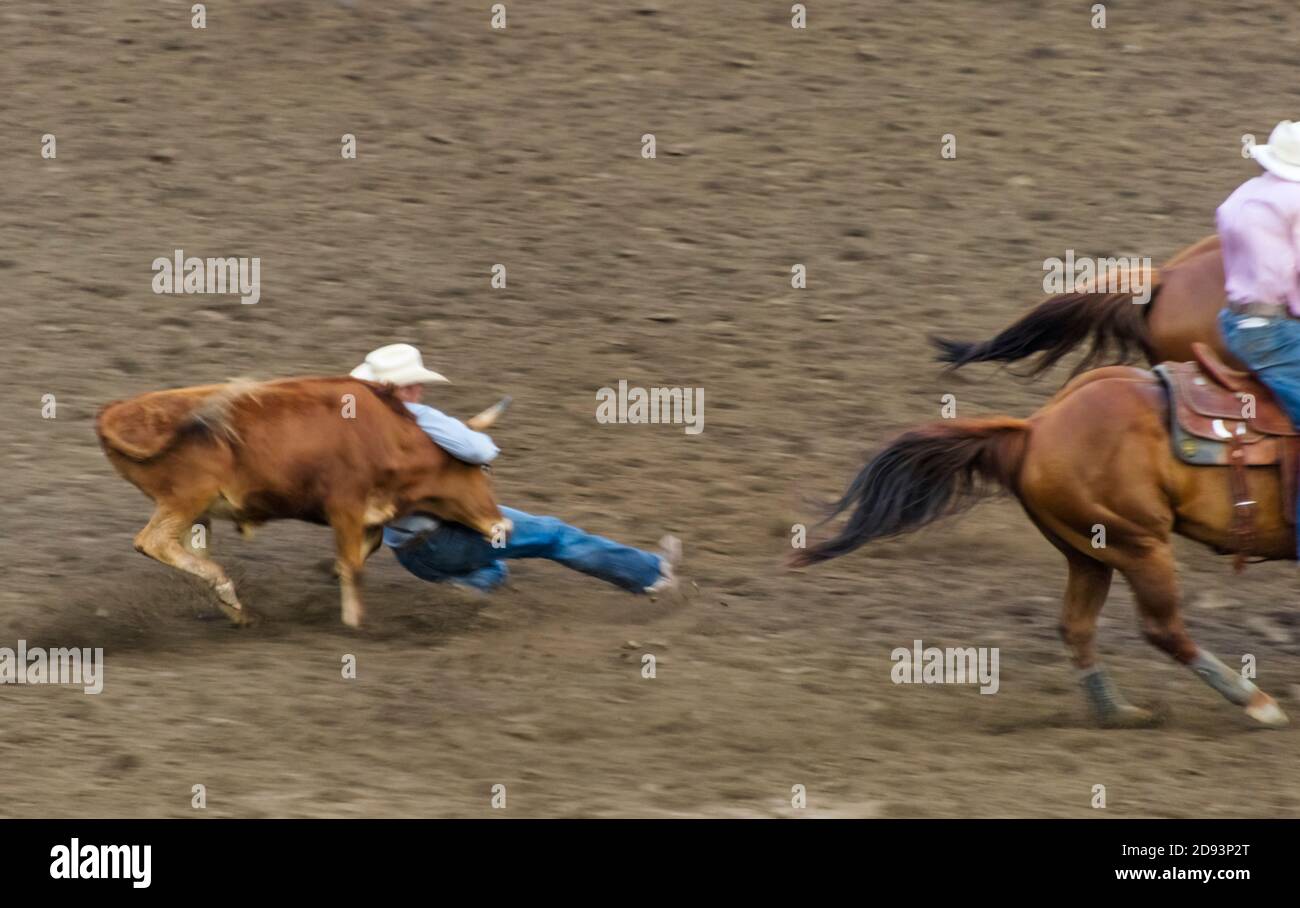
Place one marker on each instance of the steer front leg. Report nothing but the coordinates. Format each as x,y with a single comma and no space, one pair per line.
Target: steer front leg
352,547
374,540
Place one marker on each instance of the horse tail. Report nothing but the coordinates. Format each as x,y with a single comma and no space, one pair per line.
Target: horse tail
927,473
1114,323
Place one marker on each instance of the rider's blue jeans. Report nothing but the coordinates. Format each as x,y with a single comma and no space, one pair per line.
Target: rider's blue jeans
1270,347
452,552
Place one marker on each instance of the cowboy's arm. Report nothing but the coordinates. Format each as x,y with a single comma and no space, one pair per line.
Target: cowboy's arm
453,436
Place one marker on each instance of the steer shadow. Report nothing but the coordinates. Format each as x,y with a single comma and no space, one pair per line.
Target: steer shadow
140,608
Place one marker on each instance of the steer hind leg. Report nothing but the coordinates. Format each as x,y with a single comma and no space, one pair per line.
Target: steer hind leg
197,537
161,540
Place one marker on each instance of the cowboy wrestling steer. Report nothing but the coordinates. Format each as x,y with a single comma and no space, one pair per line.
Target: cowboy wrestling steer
335,451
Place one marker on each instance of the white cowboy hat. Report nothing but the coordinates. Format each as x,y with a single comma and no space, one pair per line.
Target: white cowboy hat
396,364
1281,155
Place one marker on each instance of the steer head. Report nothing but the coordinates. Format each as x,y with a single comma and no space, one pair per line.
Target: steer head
462,494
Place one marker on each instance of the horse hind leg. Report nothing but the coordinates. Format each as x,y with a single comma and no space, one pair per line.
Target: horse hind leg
161,540
1085,594
1155,587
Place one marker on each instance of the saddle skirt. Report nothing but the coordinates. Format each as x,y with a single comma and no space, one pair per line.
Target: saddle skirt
1222,417
1216,408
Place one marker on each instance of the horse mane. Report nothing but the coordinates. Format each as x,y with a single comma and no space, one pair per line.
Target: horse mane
1211,243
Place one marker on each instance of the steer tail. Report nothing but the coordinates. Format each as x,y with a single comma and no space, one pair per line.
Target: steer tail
925,474
147,427
1115,325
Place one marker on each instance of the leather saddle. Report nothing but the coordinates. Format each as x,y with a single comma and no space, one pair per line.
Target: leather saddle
1220,416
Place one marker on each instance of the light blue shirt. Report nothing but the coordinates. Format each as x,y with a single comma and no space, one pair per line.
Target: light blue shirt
453,436
458,440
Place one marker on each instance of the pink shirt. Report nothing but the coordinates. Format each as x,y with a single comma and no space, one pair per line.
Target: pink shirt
1259,226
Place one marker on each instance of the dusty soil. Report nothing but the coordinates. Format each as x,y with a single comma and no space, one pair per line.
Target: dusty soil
522,147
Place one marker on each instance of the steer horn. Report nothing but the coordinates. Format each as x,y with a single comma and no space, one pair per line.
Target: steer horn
485,419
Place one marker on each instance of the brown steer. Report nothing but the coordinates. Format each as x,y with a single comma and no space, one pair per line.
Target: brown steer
336,451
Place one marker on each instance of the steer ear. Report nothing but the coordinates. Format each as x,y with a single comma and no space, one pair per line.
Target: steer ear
485,419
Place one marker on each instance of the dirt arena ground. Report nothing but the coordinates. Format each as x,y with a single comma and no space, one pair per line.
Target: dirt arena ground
475,147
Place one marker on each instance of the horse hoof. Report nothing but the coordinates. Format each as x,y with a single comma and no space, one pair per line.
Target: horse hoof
1267,712
1128,716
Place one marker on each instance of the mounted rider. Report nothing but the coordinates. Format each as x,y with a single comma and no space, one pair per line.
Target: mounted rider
1259,226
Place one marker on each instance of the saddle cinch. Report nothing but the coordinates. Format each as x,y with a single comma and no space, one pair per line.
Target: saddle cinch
1222,417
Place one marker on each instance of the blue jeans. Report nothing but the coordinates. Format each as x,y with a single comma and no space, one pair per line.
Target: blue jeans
1272,351
450,551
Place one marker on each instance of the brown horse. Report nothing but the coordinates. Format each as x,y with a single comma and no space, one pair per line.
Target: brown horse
1187,294
1097,455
